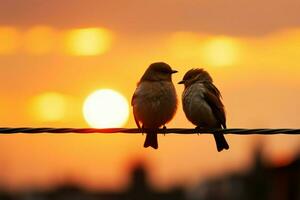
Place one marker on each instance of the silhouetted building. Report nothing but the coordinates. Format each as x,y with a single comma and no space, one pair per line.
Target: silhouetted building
5,196
141,189
261,182
138,189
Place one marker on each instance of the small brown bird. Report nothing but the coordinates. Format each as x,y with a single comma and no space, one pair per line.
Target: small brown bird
154,101
202,103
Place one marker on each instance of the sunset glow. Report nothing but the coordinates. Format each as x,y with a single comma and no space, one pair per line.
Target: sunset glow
9,40
49,106
88,41
76,64
40,40
220,51
106,109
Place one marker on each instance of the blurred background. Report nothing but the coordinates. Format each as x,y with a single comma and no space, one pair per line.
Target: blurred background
55,54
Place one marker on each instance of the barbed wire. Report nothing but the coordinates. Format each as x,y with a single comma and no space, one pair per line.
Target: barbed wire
239,131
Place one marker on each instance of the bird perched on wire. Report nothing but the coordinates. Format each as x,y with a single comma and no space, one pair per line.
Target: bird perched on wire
154,101
202,103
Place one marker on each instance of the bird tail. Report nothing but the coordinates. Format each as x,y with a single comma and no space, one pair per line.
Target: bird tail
151,139
221,142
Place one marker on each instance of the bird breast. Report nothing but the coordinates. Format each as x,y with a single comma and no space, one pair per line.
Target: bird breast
155,103
195,107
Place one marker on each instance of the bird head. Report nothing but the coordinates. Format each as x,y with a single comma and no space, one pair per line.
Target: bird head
158,71
195,75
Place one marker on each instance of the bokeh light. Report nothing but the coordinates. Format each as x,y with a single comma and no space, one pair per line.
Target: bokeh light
39,40
220,51
62,46
106,109
9,40
49,106
88,41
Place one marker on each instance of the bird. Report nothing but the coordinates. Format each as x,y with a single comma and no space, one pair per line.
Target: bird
154,101
202,104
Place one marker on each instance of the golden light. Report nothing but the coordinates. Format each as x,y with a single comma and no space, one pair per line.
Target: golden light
39,40
106,108
185,45
49,106
9,39
220,51
88,41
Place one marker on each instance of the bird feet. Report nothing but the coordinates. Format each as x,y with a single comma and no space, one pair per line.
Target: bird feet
198,128
142,130
164,129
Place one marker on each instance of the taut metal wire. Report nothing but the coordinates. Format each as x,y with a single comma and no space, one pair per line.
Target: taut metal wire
238,131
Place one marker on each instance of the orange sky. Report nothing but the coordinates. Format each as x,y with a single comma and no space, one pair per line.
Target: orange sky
252,51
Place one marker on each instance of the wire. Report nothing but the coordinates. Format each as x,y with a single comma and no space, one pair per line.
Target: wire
239,131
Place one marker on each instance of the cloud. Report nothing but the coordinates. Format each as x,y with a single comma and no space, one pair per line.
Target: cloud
137,16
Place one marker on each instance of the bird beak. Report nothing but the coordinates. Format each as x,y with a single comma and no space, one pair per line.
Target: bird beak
181,82
174,71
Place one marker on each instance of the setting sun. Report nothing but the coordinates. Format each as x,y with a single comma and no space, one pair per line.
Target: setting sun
69,70
106,109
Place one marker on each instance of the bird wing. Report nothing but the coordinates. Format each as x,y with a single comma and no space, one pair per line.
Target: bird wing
212,88
132,104
213,97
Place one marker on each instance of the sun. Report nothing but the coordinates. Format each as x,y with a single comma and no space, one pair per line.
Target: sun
106,108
